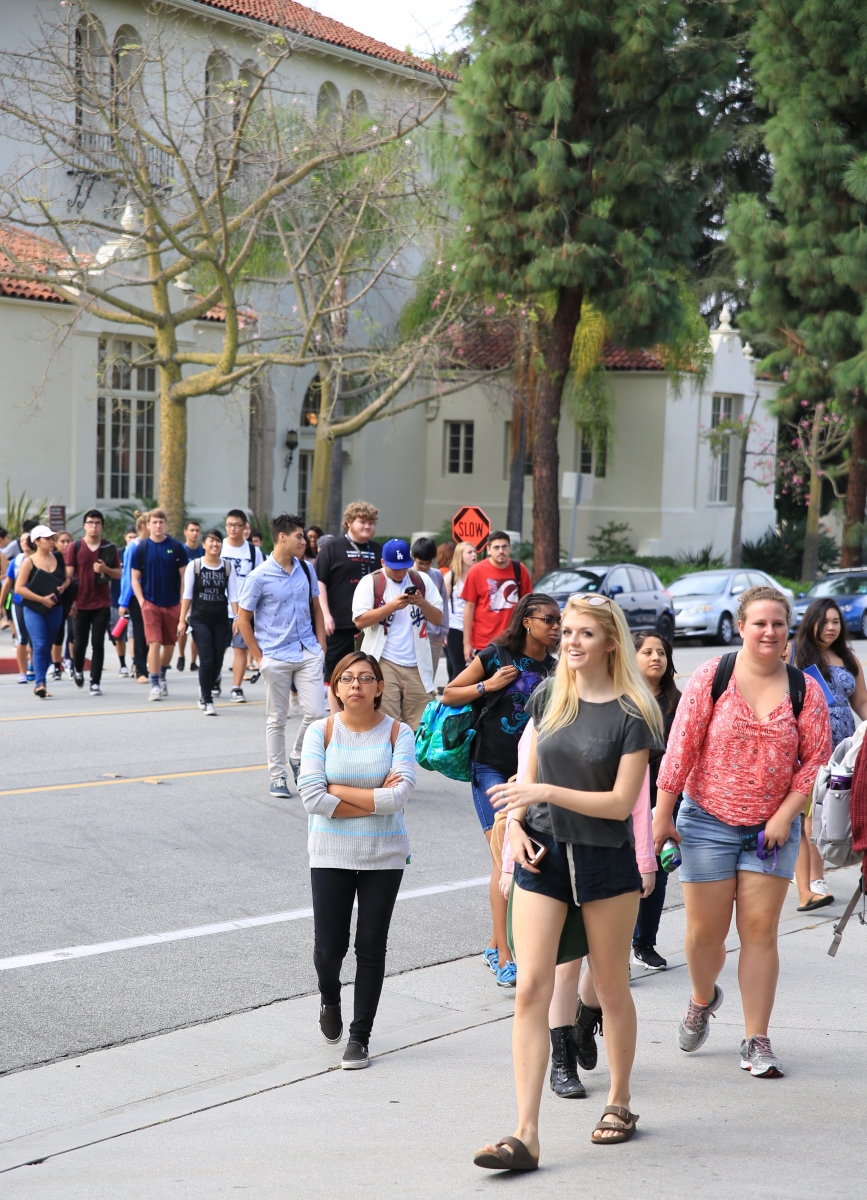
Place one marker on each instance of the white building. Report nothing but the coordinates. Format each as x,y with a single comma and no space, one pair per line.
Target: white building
62,439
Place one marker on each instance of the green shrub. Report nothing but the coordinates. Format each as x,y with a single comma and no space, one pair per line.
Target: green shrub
780,551
611,544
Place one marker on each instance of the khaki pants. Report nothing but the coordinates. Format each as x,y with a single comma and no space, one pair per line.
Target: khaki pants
404,697
278,677
436,649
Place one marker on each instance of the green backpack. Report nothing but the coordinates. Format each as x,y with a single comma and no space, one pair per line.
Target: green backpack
444,738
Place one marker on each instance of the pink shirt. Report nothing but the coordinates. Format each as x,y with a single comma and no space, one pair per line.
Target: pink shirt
642,819
734,766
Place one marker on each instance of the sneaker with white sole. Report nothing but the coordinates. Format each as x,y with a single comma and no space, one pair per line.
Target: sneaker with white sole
279,787
648,957
237,696
209,710
820,887
355,1057
695,1026
507,974
331,1023
156,694
95,689
164,688
758,1058
124,672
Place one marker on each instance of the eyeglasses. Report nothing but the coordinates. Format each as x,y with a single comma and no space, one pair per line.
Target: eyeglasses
548,619
363,679
590,598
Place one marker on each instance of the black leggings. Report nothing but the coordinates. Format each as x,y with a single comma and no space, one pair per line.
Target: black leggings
334,891
139,641
211,635
90,624
455,652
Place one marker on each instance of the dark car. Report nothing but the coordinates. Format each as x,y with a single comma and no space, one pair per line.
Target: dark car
645,602
848,588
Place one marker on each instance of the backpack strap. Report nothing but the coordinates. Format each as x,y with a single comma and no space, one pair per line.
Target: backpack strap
797,689
797,682
516,570
724,670
417,582
379,581
308,577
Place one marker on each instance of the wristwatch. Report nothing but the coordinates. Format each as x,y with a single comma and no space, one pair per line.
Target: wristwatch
480,688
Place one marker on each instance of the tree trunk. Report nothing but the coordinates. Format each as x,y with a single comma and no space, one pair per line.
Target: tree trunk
738,518
856,498
335,481
517,451
810,562
546,424
173,451
317,503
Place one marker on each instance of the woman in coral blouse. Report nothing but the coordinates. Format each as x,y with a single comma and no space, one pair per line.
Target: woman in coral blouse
744,765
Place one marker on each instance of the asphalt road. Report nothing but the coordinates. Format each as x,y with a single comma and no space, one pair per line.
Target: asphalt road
101,855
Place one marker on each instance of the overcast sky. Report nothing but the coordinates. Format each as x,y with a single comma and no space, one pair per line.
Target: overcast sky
400,23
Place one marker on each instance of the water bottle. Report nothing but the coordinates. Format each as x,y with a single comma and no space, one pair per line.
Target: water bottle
670,856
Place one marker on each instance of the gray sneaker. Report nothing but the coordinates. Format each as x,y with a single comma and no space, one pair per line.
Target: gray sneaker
758,1058
694,1028
280,787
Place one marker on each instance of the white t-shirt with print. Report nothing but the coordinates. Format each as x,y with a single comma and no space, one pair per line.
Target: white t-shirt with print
406,643
239,557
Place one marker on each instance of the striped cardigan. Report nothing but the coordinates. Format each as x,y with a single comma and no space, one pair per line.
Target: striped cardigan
375,843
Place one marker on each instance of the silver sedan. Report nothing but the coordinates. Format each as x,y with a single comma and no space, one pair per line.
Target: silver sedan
706,602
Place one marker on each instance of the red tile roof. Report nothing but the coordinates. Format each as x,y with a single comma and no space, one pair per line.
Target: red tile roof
615,358
19,246
285,14
492,346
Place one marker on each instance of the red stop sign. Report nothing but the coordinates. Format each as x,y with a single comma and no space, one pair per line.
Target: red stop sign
470,524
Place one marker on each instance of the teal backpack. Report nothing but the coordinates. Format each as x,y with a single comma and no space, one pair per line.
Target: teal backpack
444,738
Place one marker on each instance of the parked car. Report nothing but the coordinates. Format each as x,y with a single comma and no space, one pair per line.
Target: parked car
645,602
706,602
849,589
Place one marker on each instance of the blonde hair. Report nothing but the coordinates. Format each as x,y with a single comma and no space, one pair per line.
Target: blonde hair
754,595
633,694
359,509
457,567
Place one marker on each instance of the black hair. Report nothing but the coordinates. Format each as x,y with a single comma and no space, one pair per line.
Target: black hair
93,514
347,661
499,535
424,549
285,523
130,529
214,533
238,513
255,533
808,652
516,634
29,524
194,521
668,689
319,532
4,532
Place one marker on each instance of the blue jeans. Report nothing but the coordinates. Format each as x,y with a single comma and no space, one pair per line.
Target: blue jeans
42,629
481,778
712,850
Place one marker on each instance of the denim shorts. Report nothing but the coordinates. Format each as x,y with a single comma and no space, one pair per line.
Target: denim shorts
594,873
712,850
481,778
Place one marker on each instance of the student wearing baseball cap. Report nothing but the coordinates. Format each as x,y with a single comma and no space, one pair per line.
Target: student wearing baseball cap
393,607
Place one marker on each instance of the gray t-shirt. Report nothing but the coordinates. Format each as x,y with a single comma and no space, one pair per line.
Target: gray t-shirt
585,756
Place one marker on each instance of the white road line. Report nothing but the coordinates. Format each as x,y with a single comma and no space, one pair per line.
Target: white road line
179,935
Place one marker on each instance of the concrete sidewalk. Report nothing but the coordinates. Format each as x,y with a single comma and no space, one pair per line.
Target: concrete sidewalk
254,1102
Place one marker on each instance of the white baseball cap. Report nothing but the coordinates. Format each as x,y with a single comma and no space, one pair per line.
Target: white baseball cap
39,531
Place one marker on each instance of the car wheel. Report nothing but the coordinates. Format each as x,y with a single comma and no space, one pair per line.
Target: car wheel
864,624
726,631
665,627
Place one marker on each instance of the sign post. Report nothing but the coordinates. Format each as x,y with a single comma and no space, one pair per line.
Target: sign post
471,524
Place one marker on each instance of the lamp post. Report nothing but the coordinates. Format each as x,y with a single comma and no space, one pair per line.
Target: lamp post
291,446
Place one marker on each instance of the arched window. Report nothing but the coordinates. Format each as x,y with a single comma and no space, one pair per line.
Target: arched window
126,62
356,107
312,400
248,78
328,104
218,110
92,72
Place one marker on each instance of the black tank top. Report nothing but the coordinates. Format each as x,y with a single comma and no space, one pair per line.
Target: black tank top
43,583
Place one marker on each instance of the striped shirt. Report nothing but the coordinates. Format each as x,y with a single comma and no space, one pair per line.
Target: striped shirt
363,760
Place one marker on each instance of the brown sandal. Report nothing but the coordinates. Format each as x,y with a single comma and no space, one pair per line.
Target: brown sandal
516,1157
623,1131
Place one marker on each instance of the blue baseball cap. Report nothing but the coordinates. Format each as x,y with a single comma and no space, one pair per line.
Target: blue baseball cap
396,555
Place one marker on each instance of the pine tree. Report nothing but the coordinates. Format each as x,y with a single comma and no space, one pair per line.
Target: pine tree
584,130
804,250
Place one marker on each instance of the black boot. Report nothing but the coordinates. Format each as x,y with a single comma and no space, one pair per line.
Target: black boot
587,1022
564,1072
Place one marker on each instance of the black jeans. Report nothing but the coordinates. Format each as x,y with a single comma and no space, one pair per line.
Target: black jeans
334,891
211,635
91,624
455,652
139,641
337,646
650,911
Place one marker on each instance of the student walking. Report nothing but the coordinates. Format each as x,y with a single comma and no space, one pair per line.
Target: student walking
210,584
341,564
194,549
358,771
423,555
282,625
393,606
464,557
239,550
129,605
157,575
492,589
40,582
746,766
821,643
23,648
594,723
501,679
92,563
656,663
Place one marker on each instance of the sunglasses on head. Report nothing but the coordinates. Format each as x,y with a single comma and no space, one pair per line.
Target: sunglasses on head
591,598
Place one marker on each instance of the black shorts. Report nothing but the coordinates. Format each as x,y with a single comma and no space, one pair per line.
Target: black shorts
341,643
600,871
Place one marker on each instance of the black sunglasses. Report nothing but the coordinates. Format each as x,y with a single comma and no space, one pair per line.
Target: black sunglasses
547,618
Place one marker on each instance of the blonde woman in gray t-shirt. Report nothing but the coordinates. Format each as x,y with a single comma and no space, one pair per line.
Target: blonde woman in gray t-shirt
596,722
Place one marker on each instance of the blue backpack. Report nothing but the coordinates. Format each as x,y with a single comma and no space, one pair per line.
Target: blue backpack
444,738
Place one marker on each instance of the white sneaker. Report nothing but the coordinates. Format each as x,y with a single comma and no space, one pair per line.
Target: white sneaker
95,689
156,694
820,887
164,688
124,672
209,710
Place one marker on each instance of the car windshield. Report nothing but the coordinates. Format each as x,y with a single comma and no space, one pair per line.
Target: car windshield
839,585
569,581
702,583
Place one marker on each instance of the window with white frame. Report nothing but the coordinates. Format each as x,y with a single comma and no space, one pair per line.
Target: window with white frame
458,448
592,460
305,477
125,420
723,409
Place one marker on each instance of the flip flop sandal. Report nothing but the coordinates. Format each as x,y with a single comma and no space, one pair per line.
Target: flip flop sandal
623,1132
41,692
819,902
511,1155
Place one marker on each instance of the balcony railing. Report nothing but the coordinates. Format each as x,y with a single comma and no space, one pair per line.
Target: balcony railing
97,156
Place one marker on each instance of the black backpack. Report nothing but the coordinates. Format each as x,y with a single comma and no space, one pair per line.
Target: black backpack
797,682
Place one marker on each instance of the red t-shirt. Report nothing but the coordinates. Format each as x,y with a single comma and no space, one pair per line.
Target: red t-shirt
494,593
94,590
